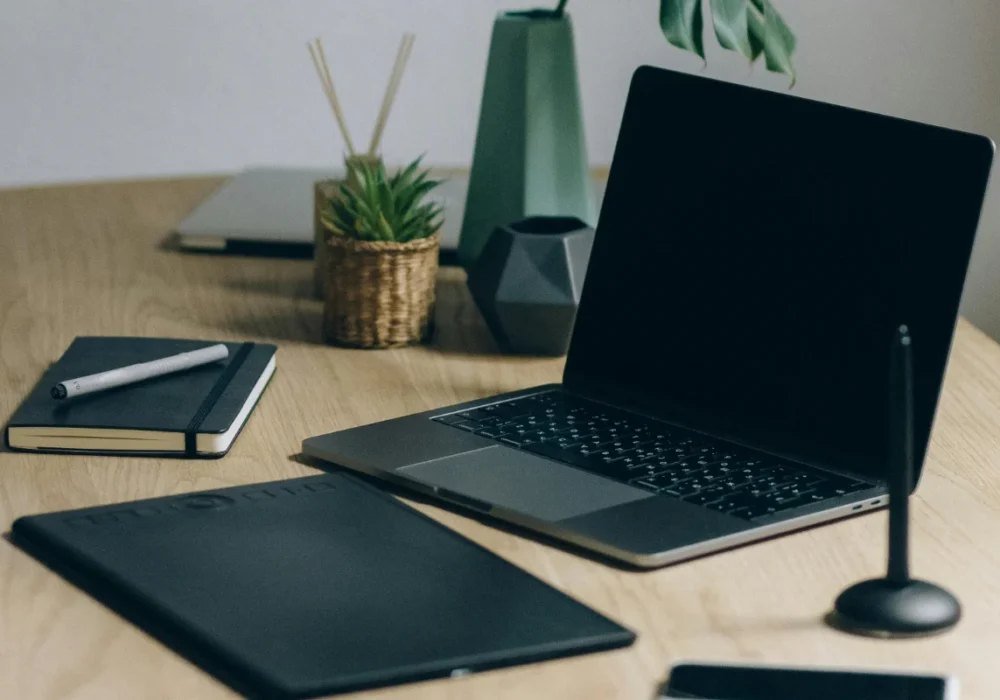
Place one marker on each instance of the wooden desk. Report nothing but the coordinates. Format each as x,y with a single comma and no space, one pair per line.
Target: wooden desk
88,260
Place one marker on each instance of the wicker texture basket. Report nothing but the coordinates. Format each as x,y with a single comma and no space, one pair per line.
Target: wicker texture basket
379,294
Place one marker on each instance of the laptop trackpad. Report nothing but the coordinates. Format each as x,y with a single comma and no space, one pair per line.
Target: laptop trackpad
524,483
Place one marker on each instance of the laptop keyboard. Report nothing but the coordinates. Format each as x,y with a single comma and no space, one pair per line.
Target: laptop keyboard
651,455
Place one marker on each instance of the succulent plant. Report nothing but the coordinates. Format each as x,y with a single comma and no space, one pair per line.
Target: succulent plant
379,207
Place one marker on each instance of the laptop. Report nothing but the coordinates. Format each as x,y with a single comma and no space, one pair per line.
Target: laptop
263,210
727,379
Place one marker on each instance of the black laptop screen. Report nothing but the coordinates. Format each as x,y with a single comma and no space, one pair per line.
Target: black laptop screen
755,252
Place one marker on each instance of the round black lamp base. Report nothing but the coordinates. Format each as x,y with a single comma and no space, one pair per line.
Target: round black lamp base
882,608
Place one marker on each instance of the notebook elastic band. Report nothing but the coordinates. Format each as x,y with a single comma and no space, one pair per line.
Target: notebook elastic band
191,433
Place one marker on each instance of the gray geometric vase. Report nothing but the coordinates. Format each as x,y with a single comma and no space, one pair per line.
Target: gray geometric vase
527,282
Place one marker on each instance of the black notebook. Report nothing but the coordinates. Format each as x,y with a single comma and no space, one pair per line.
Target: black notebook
197,412
311,586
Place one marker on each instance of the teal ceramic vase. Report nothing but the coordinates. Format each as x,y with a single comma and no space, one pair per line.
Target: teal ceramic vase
531,153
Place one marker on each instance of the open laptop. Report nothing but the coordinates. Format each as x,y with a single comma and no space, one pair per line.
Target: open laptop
727,379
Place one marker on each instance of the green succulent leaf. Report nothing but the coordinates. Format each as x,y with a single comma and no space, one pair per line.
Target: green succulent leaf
729,18
682,24
384,229
406,175
376,206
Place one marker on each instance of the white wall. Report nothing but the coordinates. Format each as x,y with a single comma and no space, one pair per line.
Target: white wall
123,88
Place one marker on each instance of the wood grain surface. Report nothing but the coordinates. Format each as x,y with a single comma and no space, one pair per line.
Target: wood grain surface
92,260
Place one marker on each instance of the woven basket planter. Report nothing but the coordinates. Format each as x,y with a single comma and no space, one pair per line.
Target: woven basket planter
379,294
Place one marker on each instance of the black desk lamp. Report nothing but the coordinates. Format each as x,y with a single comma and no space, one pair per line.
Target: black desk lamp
897,605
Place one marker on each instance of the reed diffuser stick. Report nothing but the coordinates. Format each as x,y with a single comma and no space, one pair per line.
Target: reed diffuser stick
326,80
402,57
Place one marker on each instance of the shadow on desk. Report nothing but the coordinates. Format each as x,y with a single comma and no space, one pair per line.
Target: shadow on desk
454,332
267,303
768,622
512,529
303,325
509,528
272,299
459,328
298,289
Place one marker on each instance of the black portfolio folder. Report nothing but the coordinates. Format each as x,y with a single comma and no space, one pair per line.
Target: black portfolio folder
311,586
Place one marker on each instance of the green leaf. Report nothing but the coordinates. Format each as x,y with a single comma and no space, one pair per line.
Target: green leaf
417,194
765,6
407,175
729,17
404,176
773,37
384,228
380,207
682,24
365,211
386,204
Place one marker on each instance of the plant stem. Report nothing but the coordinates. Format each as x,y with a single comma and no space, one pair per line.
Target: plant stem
560,8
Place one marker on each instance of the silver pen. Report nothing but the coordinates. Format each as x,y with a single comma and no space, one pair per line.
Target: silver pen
136,373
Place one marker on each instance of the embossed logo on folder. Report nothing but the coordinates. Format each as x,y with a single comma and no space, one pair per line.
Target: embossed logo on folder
198,502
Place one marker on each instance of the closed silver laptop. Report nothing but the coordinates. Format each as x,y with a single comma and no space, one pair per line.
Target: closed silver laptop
269,211
728,375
